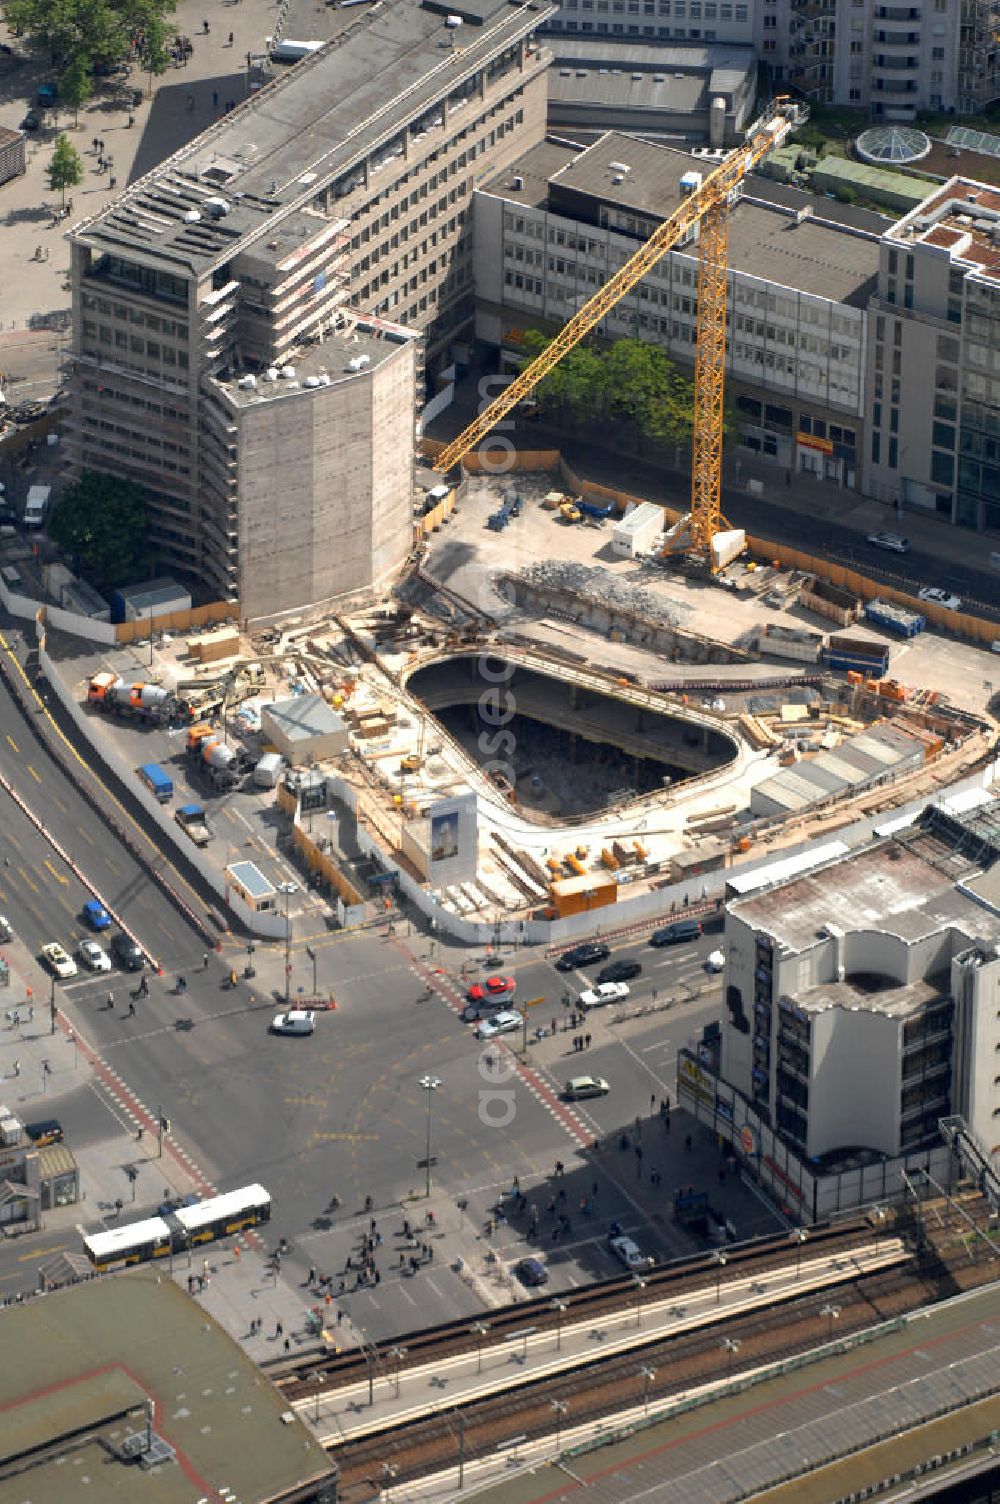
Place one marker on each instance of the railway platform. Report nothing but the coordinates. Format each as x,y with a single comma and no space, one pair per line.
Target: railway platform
384,1400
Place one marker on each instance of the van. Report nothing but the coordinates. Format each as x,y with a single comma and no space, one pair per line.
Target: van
36,505
677,933
11,577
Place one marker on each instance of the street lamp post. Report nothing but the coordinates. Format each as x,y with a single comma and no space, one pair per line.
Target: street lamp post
876,1218
479,1330
559,1408
397,1354
312,956
288,889
831,1312
720,1264
640,1285
730,1346
430,1085
559,1306
647,1375
799,1236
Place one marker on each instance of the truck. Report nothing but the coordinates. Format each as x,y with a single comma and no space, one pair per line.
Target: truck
37,505
145,702
157,781
602,510
191,819
222,765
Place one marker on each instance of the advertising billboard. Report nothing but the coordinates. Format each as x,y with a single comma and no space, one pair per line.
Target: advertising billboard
453,840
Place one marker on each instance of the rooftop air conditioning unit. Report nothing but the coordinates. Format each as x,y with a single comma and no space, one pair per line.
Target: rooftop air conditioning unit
248,383
453,22
288,372
271,374
216,206
192,217
517,183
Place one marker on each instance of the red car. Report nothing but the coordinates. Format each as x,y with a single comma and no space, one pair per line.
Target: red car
492,987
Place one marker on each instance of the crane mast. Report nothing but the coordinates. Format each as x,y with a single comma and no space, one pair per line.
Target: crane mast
708,208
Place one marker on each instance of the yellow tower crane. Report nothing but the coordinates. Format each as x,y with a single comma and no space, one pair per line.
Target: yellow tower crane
707,207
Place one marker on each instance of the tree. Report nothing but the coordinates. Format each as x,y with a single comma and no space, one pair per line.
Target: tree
65,169
103,523
76,86
100,32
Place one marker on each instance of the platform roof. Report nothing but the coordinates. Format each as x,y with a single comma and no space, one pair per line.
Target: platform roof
89,1357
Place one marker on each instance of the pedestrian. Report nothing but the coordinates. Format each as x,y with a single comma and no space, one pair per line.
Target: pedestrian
230,39
311,1276
378,1277
215,99
111,1002
586,1038
100,146
288,1344
94,143
555,1026
190,101
17,1067
204,27
652,1103
112,182
131,121
278,1329
204,962
131,1009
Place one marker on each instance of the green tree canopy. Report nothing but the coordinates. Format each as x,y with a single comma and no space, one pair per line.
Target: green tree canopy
629,381
103,522
65,169
96,31
75,86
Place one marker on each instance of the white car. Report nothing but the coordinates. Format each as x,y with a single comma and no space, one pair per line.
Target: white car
6,928
58,961
295,1021
93,956
630,1253
604,992
715,960
940,598
500,1023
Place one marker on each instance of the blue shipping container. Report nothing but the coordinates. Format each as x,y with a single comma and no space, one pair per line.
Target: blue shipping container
158,782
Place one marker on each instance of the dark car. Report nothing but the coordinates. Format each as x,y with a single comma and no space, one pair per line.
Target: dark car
583,955
46,1131
531,1272
676,934
175,1203
619,971
125,951
31,121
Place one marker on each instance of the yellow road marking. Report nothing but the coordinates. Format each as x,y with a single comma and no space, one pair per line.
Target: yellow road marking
346,1138
40,1253
12,742
33,886
57,875
36,776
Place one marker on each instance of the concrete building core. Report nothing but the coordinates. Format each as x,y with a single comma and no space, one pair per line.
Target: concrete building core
340,193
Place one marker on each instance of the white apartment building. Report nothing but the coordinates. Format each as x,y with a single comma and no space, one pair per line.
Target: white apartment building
552,229
863,996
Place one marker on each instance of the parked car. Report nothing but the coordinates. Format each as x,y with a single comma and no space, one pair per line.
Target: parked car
126,952
492,987
94,956
604,993
940,598
531,1272
893,543
46,1131
6,928
676,933
630,1253
620,971
295,1021
581,1087
31,121
58,961
500,1023
96,915
587,954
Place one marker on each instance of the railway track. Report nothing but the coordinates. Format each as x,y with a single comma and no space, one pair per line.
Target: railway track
313,1377
482,1429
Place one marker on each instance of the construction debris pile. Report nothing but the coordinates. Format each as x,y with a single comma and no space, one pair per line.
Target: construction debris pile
599,588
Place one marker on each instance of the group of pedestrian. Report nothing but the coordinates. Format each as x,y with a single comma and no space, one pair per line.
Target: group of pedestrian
582,1041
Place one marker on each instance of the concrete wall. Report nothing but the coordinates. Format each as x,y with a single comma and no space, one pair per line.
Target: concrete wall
325,487
854,1087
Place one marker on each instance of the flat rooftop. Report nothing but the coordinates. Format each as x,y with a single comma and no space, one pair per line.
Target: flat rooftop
318,365
871,995
302,716
765,240
89,1357
963,219
316,120
905,886
608,71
